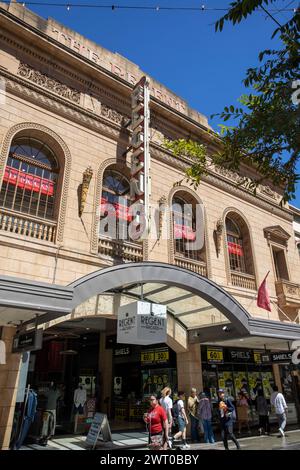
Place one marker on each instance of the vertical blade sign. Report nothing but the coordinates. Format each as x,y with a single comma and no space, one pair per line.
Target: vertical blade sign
140,159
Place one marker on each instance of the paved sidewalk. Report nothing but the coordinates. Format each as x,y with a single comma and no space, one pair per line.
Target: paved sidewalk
291,441
138,440
121,440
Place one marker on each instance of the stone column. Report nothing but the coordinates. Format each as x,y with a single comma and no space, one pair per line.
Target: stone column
9,378
189,370
105,369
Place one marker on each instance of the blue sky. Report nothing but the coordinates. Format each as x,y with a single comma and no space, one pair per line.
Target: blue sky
180,49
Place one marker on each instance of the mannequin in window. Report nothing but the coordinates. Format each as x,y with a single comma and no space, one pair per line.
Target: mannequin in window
79,399
79,402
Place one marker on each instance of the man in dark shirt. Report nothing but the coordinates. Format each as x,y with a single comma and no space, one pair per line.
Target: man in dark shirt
227,416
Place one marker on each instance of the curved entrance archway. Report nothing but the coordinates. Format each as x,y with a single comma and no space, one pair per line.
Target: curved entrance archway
120,276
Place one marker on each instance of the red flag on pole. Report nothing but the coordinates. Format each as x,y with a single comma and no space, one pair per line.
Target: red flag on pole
263,298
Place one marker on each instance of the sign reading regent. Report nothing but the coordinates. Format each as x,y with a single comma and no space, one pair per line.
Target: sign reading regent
142,323
140,159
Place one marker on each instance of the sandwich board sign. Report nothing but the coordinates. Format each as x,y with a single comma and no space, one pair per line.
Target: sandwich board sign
142,323
99,431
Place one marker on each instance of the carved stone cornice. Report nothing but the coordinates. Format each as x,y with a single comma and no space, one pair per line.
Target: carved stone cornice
56,104
246,195
49,83
229,174
69,93
221,182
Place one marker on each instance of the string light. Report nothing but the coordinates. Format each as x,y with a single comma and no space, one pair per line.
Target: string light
135,7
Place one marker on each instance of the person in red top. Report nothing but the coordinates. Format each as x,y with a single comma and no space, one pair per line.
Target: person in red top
157,421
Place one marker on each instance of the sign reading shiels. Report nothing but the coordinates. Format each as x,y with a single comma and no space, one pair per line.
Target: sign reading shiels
140,160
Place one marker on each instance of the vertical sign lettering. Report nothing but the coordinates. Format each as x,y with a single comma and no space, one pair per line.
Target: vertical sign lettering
140,160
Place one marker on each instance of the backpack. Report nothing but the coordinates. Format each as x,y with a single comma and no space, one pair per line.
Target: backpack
175,412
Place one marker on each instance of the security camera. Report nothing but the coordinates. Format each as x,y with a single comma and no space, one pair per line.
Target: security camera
225,328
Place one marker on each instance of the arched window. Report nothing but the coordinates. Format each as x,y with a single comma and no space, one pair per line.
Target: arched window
239,245
235,246
184,228
30,178
115,199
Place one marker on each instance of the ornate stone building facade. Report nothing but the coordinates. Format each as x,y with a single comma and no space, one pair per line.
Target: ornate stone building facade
65,105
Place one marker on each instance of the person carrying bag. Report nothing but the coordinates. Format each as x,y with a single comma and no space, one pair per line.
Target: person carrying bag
158,426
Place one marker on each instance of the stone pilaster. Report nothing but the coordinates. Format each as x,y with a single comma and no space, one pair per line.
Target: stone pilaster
9,378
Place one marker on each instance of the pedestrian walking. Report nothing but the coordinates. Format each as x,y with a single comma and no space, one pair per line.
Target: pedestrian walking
279,403
205,414
227,416
167,403
182,420
192,406
262,409
157,422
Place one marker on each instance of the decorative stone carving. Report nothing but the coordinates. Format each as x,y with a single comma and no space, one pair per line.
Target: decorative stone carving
233,176
112,114
162,207
267,191
218,235
277,234
46,82
86,179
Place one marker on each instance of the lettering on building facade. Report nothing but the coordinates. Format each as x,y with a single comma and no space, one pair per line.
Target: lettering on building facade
116,69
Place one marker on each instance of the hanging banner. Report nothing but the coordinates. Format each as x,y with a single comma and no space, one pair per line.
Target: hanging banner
142,323
235,249
28,181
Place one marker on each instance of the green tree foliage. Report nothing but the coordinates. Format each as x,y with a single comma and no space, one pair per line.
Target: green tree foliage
267,131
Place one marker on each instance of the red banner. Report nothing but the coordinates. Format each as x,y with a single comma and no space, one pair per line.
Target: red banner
235,249
28,181
184,231
120,210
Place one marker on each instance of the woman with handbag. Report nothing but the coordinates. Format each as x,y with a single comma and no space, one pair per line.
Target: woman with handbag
158,426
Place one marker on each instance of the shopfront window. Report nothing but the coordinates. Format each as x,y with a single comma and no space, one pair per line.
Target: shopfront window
236,371
139,371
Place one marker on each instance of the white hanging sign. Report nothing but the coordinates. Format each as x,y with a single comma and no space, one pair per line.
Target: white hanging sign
142,323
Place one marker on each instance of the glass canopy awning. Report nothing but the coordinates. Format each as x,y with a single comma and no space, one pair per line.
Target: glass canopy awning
189,309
